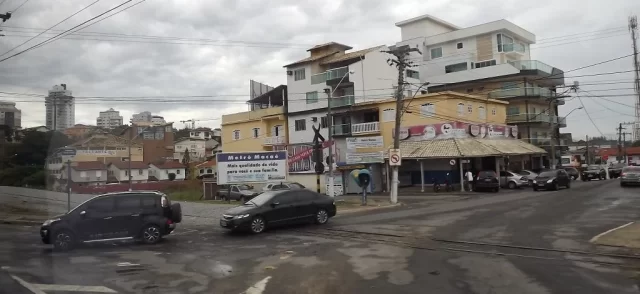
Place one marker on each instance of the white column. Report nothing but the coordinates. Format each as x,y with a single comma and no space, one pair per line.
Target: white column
386,169
461,175
421,175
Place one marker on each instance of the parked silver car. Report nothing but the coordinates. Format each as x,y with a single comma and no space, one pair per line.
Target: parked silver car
282,186
238,192
512,180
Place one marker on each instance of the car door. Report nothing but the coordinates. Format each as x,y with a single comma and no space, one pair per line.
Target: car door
281,208
562,178
127,217
97,220
235,193
305,204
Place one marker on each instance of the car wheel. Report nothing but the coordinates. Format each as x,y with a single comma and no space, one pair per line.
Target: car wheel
535,189
555,187
258,225
512,185
322,217
63,240
151,234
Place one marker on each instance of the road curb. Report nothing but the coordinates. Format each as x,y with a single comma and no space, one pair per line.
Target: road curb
348,211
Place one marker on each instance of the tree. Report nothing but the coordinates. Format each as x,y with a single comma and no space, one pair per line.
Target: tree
635,143
186,158
172,176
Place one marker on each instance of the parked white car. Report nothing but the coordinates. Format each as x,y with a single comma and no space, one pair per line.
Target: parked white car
282,186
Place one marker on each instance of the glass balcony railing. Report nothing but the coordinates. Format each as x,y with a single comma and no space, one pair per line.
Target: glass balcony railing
332,74
344,129
343,101
517,47
532,65
522,92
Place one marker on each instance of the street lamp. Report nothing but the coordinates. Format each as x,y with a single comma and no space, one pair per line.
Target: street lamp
577,108
330,127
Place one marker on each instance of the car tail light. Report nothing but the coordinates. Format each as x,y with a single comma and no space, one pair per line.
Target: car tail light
622,174
165,201
169,221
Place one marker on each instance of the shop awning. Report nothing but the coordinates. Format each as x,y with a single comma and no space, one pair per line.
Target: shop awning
465,148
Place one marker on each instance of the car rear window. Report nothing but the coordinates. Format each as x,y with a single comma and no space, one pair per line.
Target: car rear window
635,169
487,174
548,174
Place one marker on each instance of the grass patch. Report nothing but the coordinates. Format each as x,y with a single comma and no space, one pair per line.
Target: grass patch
185,195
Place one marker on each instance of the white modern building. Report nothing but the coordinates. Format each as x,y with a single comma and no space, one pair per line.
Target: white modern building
109,119
60,108
144,116
161,171
158,120
494,60
10,115
196,147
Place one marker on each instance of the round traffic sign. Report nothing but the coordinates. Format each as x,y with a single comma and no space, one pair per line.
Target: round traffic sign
394,158
452,162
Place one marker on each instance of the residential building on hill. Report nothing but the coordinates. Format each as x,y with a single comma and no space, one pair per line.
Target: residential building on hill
195,146
119,171
492,60
60,108
79,131
161,171
10,115
109,119
89,173
157,140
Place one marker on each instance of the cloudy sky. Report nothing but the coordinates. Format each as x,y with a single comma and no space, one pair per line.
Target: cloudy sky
224,44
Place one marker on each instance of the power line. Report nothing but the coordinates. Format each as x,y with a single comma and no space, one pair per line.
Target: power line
14,48
20,6
591,32
53,39
589,116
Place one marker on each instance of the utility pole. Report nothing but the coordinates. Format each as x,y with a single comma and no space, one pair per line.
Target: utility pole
620,128
633,29
401,53
331,188
624,147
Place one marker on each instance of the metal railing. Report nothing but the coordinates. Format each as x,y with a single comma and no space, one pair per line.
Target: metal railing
524,91
275,140
367,127
532,64
343,101
336,73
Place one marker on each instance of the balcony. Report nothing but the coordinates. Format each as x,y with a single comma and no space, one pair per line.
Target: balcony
332,74
541,141
346,100
275,140
532,118
363,128
523,92
532,65
341,130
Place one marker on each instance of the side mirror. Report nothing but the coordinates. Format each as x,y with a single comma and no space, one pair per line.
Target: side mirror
83,213
274,204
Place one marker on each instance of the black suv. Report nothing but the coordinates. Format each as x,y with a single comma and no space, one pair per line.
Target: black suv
487,179
136,215
551,180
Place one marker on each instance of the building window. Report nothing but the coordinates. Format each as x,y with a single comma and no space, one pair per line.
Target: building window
299,74
509,85
148,136
455,67
513,110
460,109
324,122
470,108
409,93
436,53
300,124
413,74
256,132
159,136
140,172
485,63
388,114
428,109
312,97
126,172
493,111
482,112
236,135
505,43
459,45
177,171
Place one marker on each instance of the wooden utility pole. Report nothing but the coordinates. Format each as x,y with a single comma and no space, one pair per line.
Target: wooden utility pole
633,29
401,53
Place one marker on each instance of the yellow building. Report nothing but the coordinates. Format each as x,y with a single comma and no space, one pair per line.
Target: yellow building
435,129
263,128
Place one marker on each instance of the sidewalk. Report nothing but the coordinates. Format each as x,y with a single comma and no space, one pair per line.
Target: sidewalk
20,216
627,235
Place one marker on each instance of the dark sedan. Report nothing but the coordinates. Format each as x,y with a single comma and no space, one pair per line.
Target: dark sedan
552,180
274,208
630,176
594,172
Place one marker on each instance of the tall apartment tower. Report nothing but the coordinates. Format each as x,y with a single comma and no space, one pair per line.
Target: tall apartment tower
10,115
109,119
61,108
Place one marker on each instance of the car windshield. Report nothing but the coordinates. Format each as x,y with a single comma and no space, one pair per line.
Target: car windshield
244,187
634,169
546,174
487,173
263,198
593,167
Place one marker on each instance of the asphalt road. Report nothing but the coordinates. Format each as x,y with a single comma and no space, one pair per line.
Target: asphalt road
524,242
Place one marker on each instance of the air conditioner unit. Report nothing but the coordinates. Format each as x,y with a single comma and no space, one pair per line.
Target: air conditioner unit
289,72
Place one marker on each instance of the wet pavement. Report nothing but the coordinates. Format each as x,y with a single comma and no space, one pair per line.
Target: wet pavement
523,242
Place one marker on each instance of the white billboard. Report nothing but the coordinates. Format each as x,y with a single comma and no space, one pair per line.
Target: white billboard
251,167
364,142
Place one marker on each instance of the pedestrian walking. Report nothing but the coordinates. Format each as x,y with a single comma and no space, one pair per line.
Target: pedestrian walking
469,179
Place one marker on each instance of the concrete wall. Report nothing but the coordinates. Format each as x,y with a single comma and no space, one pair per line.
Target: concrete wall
297,90
422,28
